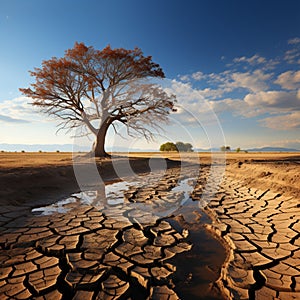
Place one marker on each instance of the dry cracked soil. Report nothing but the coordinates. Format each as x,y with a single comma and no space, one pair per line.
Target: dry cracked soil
129,250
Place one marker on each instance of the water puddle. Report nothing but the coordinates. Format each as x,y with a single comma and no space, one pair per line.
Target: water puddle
200,267
113,195
197,268
58,207
185,186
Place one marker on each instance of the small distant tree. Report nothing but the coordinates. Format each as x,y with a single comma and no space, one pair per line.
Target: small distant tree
94,89
189,147
238,149
169,146
184,147
179,147
225,148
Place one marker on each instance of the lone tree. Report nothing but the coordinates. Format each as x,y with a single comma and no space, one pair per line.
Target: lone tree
168,146
184,147
93,89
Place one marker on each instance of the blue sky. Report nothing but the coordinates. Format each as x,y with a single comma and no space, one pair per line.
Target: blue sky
234,65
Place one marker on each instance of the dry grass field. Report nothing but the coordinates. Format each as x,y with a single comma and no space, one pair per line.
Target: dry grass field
37,159
34,159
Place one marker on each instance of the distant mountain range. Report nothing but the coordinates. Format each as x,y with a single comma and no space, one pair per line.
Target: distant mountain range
38,147
69,148
273,149
206,150
264,149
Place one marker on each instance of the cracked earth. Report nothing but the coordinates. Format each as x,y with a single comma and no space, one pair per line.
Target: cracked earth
262,232
94,251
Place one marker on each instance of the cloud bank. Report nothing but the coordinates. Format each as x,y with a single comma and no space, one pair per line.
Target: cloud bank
8,119
255,86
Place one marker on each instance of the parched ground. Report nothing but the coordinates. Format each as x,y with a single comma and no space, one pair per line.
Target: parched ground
255,214
93,250
256,211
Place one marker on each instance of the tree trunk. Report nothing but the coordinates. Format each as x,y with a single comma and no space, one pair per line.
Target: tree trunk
99,146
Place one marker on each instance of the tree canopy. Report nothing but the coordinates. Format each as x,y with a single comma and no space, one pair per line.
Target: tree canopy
184,147
179,147
168,146
93,89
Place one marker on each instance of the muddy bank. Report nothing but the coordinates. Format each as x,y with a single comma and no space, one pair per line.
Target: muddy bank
280,175
37,185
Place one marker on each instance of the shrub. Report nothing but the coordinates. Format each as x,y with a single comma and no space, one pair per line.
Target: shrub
169,146
225,148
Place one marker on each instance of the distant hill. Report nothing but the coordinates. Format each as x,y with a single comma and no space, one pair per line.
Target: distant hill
207,150
264,149
39,147
273,149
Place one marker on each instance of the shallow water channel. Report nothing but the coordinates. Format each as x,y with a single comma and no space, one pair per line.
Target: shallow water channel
197,268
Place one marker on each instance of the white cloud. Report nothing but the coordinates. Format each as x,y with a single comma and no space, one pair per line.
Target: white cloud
229,80
209,93
8,119
184,78
293,41
254,82
183,90
192,105
20,109
198,76
188,98
283,122
253,60
278,100
292,56
289,80
219,78
237,107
